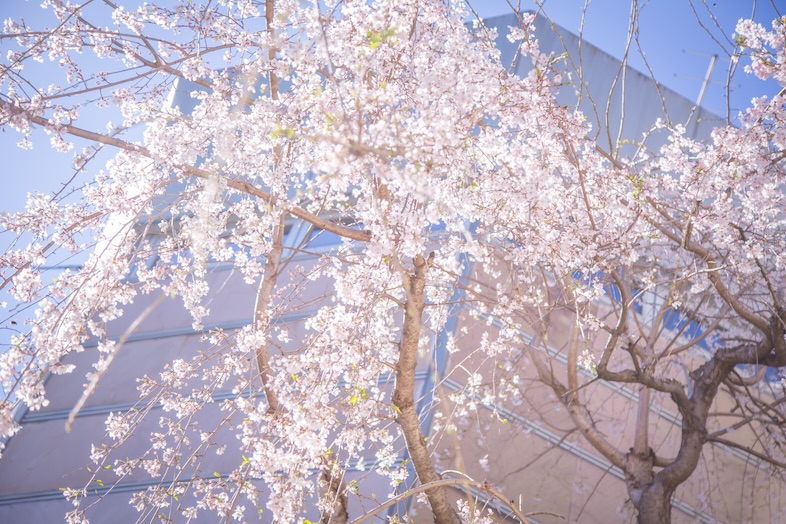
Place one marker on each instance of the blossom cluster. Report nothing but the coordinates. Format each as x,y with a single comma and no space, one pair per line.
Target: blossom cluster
389,122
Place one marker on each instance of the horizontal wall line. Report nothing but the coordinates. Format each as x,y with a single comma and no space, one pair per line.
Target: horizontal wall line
105,409
574,449
133,486
632,396
187,331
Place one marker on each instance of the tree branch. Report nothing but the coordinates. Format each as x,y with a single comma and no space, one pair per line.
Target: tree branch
262,312
238,185
482,486
404,393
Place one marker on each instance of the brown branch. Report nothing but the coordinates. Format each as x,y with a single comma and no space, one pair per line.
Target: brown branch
335,491
262,312
96,377
736,379
404,393
442,483
578,412
573,359
746,449
271,52
238,185
641,444
50,245
712,275
621,327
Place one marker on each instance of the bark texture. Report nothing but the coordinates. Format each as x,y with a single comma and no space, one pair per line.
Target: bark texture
336,492
262,312
404,394
654,491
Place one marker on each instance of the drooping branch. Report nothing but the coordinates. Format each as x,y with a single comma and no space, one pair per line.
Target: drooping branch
712,274
747,449
43,250
578,412
238,185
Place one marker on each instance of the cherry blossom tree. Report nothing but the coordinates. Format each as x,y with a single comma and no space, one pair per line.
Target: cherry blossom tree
394,126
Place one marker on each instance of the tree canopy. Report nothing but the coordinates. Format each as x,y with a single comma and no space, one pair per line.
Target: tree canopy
445,181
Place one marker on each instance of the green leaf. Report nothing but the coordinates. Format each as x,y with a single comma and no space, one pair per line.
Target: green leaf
287,132
377,38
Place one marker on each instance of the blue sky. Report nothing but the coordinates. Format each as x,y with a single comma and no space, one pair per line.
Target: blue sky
677,48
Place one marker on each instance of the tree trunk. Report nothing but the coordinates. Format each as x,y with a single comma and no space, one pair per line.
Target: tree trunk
335,491
404,394
655,504
262,313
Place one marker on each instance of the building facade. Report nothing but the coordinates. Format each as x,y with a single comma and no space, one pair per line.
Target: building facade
527,447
